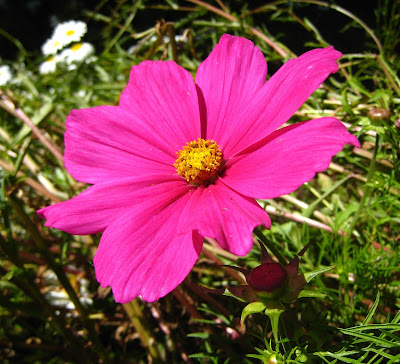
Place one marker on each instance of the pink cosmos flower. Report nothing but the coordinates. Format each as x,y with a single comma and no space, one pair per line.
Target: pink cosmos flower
178,160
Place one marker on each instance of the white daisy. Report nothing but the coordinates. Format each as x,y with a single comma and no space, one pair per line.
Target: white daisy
51,46
77,52
49,65
5,74
70,31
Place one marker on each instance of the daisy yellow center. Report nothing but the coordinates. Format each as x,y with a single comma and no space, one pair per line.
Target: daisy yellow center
70,32
76,46
199,162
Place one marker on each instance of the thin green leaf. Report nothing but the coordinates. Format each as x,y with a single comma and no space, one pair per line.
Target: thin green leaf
310,275
311,294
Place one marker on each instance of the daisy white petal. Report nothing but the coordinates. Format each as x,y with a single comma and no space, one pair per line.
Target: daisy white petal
49,65
78,52
70,31
5,74
52,46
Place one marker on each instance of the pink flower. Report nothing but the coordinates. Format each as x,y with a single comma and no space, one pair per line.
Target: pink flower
178,160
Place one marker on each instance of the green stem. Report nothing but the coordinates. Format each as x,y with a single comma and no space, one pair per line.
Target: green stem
270,246
283,335
15,41
62,277
124,28
312,206
274,315
4,208
390,74
21,155
136,316
367,189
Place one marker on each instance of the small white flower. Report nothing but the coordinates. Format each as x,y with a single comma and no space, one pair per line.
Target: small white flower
52,46
81,94
77,53
49,65
70,31
64,34
5,74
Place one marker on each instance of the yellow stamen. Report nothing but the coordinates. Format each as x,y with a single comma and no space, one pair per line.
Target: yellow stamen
199,162
70,32
76,46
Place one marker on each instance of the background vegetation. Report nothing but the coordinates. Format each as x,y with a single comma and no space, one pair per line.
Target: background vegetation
51,307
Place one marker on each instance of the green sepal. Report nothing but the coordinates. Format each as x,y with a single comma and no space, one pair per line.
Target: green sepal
228,293
242,293
254,307
310,275
295,286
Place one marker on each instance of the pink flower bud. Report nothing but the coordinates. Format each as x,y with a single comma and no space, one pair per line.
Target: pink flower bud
268,277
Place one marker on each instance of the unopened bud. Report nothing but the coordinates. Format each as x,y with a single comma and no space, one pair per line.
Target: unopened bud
268,278
378,113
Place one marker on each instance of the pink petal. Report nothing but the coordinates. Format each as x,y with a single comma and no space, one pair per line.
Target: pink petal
163,95
287,158
107,142
98,206
146,252
228,79
280,98
220,213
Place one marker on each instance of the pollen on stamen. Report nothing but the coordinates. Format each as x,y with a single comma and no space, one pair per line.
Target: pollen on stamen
199,162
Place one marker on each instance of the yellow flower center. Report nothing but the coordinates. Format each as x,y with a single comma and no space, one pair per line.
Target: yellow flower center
70,32
76,46
199,162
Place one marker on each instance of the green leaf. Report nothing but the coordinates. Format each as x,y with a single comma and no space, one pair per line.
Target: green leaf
311,294
369,338
372,311
396,319
358,86
36,119
199,335
374,327
254,307
310,275
394,359
341,356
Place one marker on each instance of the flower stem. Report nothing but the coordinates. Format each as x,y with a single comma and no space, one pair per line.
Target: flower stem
270,246
9,106
135,314
284,335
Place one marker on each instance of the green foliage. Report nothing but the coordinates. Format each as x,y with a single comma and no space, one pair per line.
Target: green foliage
51,307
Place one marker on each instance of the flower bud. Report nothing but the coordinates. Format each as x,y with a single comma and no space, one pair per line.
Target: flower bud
378,113
268,279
